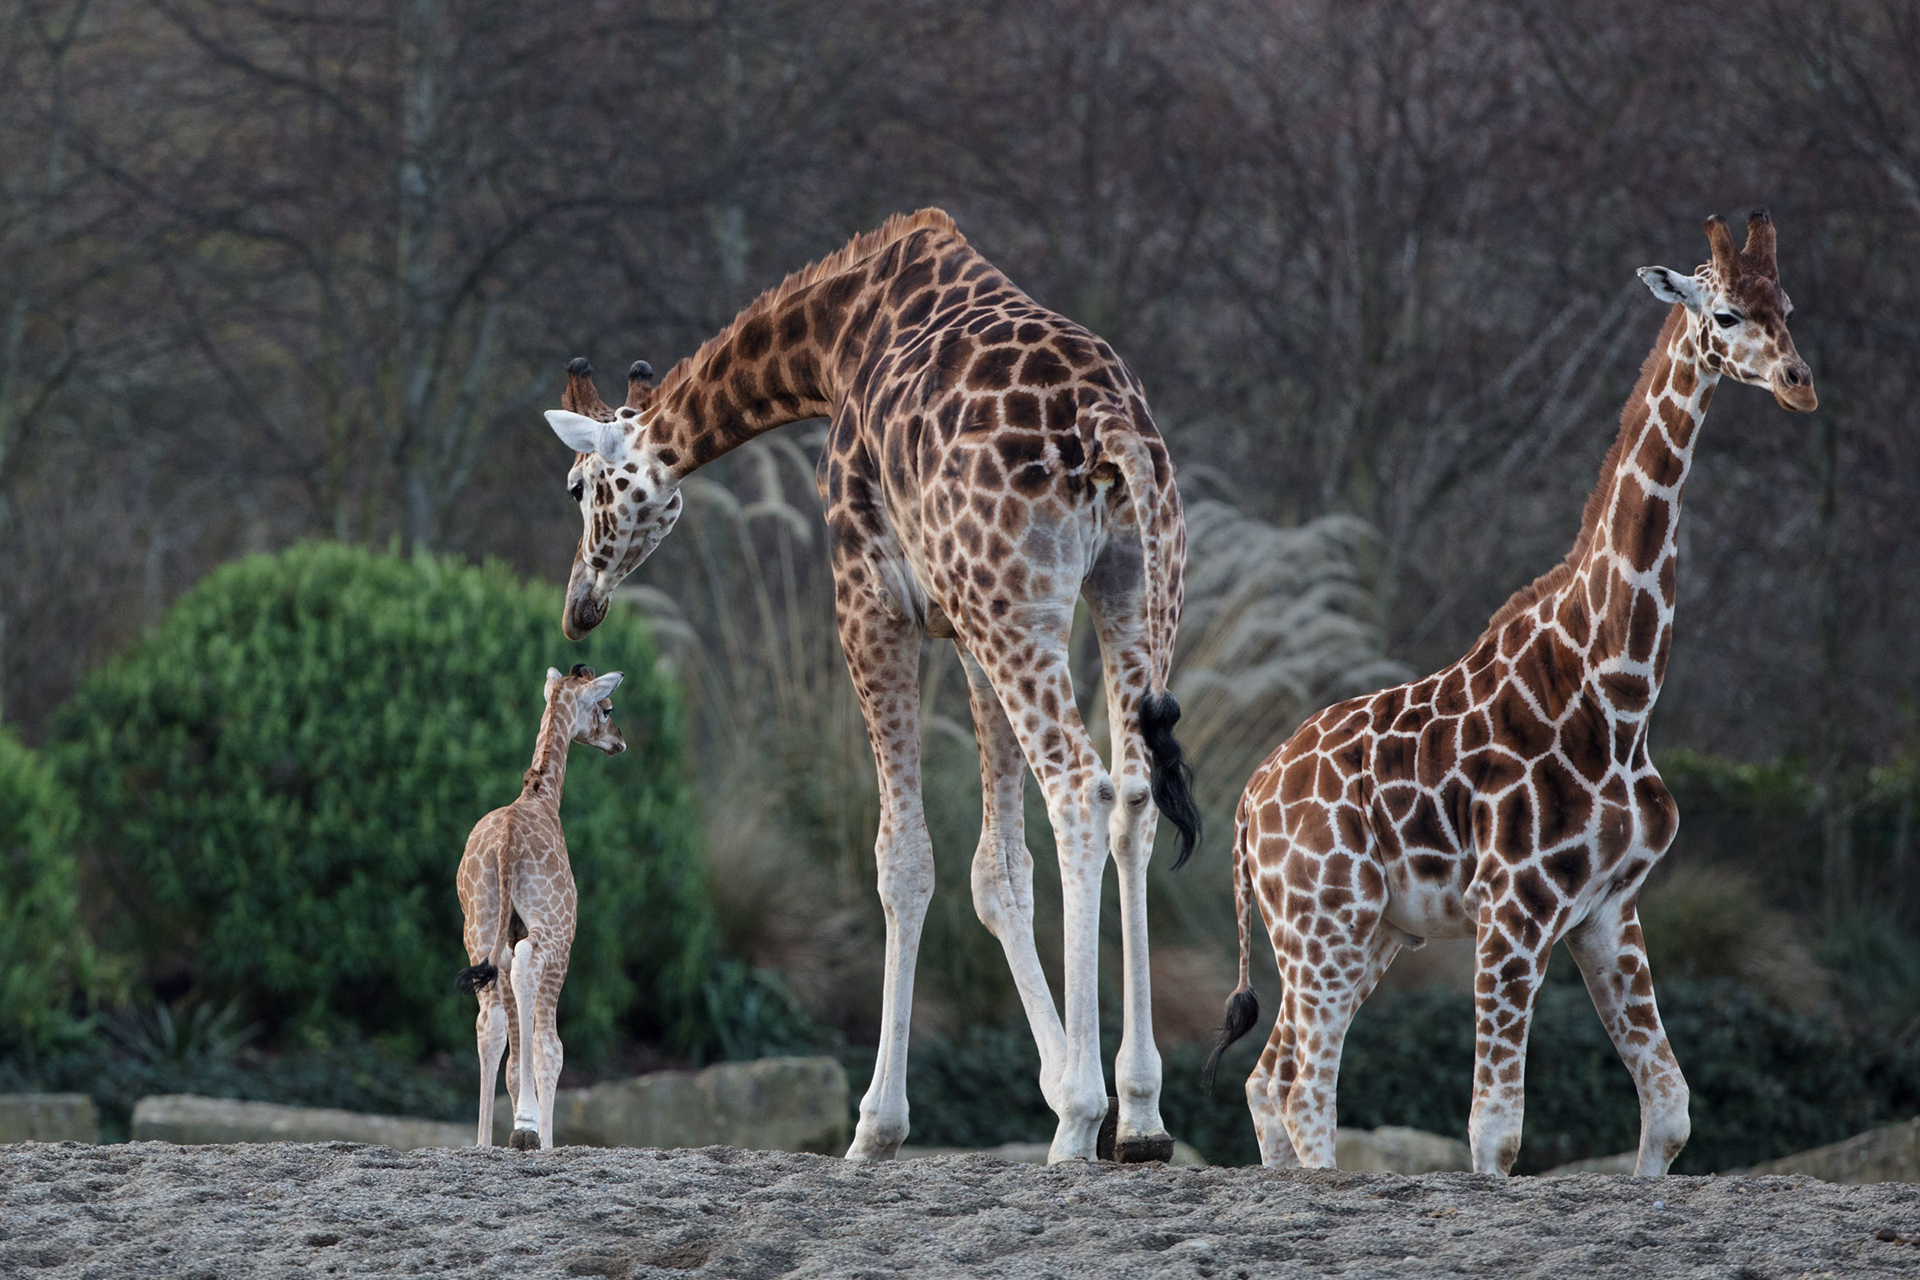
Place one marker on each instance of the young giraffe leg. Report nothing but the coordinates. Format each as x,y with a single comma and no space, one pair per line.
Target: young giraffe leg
1003,871
510,1007
1141,1135
491,1032
546,1029
1507,973
526,1102
1269,1086
1038,697
1323,1009
1613,959
884,659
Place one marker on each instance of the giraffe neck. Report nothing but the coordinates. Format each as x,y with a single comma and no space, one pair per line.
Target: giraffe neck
1625,577
548,772
788,355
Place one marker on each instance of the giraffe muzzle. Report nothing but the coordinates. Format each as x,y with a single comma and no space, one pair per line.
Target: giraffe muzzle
1792,387
584,609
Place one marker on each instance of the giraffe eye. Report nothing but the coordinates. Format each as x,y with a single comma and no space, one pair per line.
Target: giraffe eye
1726,319
577,488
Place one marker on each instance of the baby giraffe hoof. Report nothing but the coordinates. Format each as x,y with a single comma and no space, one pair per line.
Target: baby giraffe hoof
1144,1149
524,1140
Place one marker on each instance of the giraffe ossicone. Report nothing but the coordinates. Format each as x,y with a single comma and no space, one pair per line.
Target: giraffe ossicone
518,897
1509,797
987,463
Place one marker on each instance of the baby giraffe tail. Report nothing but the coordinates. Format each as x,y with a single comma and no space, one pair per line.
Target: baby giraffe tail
1243,1006
475,976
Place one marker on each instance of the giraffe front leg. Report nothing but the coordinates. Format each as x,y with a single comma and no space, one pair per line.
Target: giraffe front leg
1507,974
1612,957
1003,872
526,1102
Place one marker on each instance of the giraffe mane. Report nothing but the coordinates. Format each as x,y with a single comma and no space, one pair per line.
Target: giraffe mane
864,245
1632,415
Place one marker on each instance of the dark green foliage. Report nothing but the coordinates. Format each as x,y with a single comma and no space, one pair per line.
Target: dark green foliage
1765,1082
49,974
281,778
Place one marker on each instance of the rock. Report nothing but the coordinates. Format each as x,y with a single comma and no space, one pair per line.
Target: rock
1621,1163
1889,1154
188,1120
1394,1149
48,1117
772,1104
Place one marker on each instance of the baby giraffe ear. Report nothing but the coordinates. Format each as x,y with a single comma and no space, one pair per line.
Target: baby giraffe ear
553,678
603,688
1670,286
587,435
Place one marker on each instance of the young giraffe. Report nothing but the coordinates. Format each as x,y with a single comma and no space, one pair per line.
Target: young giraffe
987,462
516,891
1509,797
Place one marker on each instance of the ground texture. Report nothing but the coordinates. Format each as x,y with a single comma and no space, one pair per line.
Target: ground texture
153,1210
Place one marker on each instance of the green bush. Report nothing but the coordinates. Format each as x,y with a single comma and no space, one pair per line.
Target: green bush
280,779
1765,1082
49,974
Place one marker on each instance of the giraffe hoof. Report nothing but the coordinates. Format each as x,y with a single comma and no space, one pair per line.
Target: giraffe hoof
524,1140
1144,1149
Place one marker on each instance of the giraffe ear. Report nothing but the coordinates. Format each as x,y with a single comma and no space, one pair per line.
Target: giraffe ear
587,435
553,677
602,689
1670,286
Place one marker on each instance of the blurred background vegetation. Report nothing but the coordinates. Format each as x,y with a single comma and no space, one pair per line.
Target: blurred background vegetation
281,291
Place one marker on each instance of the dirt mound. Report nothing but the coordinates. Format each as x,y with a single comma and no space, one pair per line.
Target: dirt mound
154,1210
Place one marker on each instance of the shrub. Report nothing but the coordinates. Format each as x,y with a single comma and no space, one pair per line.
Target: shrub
279,781
49,974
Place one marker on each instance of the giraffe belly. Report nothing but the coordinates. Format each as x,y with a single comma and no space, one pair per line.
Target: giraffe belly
1426,906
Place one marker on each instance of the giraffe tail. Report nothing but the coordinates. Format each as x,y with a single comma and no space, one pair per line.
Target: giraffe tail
476,976
1162,558
1243,1006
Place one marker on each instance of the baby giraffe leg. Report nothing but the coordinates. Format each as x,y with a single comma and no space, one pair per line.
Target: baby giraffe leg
546,1027
526,1103
491,1032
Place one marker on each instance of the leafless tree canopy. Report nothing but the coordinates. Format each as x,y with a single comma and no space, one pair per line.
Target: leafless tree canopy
272,271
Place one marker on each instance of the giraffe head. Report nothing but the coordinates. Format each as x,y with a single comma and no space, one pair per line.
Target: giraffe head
592,705
629,498
1738,312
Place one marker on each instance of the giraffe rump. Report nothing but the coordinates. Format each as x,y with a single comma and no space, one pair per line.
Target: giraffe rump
476,977
1171,776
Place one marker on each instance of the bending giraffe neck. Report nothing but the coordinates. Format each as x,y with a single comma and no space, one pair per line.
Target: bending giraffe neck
782,358
548,772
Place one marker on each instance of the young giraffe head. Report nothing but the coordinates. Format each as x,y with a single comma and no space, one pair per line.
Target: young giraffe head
1738,313
592,705
629,497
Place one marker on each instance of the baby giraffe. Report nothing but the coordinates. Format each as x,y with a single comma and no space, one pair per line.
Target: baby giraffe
516,891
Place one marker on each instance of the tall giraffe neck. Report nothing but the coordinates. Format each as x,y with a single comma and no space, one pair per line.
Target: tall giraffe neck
1627,561
548,772
788,356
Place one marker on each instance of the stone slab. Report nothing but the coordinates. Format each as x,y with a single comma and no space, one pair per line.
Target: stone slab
1888,1154
48,1117
1394,1148
771,1104
1620,1163
190,1120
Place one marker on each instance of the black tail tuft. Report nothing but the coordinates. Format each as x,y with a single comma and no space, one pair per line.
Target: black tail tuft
1172,779
1243,1008
476,976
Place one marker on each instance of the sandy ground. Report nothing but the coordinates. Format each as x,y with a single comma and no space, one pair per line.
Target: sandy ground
154,1210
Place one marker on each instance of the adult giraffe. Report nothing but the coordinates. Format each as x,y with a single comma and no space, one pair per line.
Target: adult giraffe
987,462
1509,797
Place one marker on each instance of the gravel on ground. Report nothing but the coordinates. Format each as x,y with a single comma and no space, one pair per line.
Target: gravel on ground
150,1209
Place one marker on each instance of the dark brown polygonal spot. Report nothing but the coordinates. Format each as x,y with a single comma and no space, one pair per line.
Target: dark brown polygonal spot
1044,369
1683,380
1516,726
793,324
1513,834
1436,751
1022,411
1424,830
993,369
755,338
1659,815
1398,801
1421,693
1515,635
1450,699
1433,868
1535,894
1565,803
1475,732
1625,691
1643,626
1032,479
1491,770
1573,618
1568,869
1328,784
1639,525
1584,738
1659,463
1553,671
980,414
1393,758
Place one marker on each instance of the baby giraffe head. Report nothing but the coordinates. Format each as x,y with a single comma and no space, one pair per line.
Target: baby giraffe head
628,494
588,699
1738,313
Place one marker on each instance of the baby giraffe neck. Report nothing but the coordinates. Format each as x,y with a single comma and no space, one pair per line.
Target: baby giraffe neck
548,773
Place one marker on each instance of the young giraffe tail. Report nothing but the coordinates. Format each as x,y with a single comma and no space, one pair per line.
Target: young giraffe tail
1243,1006
1163,553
